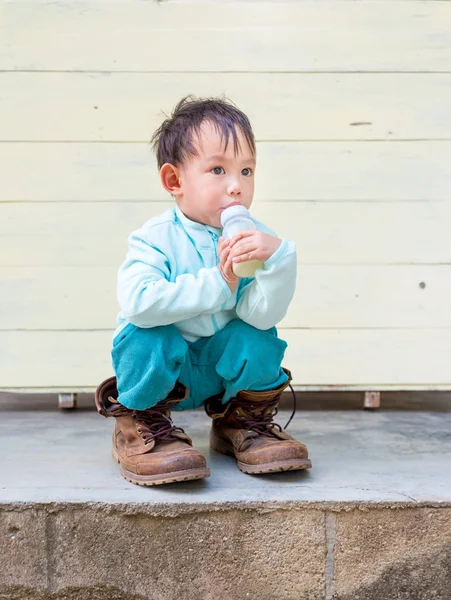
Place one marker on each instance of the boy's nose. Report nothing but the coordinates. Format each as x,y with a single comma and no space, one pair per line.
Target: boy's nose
234,189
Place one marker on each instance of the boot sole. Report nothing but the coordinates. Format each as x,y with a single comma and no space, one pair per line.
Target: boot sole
148,480
291,464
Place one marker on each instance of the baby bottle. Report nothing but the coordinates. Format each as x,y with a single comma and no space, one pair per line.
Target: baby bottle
236,218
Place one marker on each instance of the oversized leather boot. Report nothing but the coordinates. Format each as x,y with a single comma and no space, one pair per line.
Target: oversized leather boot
148,447
244,428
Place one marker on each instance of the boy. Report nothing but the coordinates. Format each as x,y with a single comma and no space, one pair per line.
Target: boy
190,332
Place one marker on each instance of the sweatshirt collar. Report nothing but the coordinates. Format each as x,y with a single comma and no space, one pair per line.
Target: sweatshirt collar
189,224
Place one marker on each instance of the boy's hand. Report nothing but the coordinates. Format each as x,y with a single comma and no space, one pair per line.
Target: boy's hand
253,245
225,264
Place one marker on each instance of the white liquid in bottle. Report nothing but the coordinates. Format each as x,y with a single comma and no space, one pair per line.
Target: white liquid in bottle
234,219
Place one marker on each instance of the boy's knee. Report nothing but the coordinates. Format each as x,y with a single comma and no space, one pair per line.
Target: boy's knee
147,363
238,329
255,344
165,335
163,340
251,357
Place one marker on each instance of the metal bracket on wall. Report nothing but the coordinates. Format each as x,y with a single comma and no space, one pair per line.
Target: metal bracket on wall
372,400
67,400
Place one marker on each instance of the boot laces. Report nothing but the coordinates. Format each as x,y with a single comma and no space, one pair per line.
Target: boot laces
154,424
294,406
259,422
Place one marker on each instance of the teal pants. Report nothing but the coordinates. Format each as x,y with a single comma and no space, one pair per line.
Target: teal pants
148,363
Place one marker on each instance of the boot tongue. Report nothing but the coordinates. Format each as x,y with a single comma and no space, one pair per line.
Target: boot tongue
136,445
154,427
259,418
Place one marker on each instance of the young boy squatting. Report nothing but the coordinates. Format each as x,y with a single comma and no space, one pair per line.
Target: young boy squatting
190,332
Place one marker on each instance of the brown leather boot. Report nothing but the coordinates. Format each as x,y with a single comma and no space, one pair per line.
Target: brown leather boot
148,447
244,428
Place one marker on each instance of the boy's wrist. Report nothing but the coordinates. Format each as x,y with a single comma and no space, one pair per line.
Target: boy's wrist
277,255
224,283
232,282
225,265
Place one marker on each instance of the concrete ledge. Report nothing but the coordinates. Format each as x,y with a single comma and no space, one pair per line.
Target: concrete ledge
370,521
86,553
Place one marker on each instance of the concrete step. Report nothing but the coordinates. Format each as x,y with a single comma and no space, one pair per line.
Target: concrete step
370,521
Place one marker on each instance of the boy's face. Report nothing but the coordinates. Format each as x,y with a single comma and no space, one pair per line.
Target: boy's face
209,182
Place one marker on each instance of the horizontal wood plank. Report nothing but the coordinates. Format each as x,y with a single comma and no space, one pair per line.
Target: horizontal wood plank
125,107
71,298
95,234
200,2
151,36
61,359
320,171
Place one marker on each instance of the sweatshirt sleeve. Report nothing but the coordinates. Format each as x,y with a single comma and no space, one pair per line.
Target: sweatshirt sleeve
147,297
265,300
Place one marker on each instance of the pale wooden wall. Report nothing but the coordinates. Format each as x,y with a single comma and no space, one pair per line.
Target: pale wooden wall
351,105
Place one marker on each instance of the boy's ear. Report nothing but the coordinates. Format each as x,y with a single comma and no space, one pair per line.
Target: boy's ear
170,179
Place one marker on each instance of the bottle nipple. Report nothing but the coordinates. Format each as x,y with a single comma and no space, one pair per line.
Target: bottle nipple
233,204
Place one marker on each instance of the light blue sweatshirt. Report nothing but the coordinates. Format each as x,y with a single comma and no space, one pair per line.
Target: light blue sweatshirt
170,275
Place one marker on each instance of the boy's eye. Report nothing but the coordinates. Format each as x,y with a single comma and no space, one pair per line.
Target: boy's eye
218,170
247,172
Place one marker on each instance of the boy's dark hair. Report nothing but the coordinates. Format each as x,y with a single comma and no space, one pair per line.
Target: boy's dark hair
172,141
